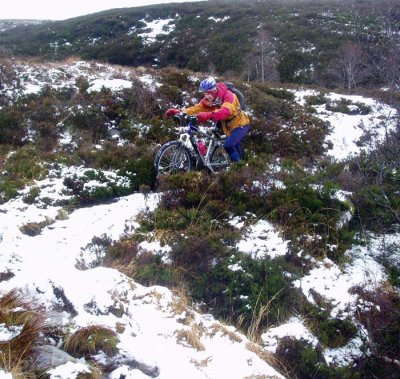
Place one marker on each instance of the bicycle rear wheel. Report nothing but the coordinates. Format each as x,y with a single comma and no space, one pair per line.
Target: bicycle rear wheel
219,159
173,157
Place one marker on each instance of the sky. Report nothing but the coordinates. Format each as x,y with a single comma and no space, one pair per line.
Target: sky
61,10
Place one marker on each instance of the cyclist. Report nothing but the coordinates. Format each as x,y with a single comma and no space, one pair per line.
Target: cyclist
221,105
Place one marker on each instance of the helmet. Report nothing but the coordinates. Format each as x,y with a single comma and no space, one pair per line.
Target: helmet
207,84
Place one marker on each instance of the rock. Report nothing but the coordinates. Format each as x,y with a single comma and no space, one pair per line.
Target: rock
47,357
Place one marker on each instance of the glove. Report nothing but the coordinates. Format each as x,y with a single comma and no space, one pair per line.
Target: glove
172,112
204,116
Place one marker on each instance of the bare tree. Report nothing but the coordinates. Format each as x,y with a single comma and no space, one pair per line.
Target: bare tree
350,65
263,60
387,51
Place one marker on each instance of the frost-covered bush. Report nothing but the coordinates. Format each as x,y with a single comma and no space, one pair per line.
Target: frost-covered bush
92,186
379,312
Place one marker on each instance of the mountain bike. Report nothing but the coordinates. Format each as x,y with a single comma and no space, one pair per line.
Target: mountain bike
196,149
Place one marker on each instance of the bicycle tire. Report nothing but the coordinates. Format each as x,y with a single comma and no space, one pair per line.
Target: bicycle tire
219,160
172,158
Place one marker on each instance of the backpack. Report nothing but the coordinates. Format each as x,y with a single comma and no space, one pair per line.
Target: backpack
238,93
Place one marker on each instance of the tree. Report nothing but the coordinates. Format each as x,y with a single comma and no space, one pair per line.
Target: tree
386,54
262,61
349,67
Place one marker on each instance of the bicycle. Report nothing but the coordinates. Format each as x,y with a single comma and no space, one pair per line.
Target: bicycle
190,152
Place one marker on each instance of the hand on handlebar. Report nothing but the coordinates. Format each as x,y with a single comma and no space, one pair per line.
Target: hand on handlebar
204,116
172,112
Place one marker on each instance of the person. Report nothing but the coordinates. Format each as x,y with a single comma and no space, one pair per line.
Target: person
221,105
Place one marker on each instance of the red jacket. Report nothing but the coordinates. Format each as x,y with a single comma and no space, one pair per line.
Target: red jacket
224,108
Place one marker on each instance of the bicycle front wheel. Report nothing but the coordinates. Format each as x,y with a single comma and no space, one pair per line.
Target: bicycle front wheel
219,159
173,157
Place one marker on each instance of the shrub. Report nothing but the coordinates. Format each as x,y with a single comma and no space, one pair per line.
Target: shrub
315,99
310,218
267,106
379,312
12,130
251,293
331,332
300,137
150,270
35,228
94,186
304,361
348,107
25,323
91,340
82,83
282,94
20,168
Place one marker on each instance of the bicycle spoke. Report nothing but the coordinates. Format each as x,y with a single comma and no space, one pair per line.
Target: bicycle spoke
173,158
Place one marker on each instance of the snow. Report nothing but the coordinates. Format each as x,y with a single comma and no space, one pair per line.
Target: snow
112,84
55,259
335,283
155,28
294,327
349,128
7,333
68,370
152,327
262,239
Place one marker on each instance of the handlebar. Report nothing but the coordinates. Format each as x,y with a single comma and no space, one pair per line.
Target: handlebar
184,119
190,124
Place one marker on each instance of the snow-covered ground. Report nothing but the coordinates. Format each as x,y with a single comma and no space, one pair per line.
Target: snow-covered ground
347,129
152,325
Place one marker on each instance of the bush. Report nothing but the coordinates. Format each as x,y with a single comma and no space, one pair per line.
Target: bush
252,293
91,340
301,137
12,130
310,218
348,107
379,312
303,361
268,106
315,99
94,186
20,168
25,323
331,332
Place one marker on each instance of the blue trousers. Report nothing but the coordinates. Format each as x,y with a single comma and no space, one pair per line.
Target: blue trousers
232,143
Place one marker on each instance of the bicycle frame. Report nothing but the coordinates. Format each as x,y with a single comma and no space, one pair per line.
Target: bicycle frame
184,154
212,142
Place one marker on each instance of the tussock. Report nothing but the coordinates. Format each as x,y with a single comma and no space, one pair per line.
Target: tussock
27,320
90,340
225,332
190,337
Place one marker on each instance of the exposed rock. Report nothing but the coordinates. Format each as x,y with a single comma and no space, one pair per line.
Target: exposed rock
47,357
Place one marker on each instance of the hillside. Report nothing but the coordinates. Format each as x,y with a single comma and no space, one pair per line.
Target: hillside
284,266
295,41
289,260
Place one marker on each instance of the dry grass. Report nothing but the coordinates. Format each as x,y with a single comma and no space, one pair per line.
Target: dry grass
225,332
180,306
127,269
90,340
202,363
190,337
267,357
258,315
95,373
27,321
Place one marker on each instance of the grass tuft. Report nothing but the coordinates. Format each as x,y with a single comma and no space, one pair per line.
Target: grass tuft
24,322
91,340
